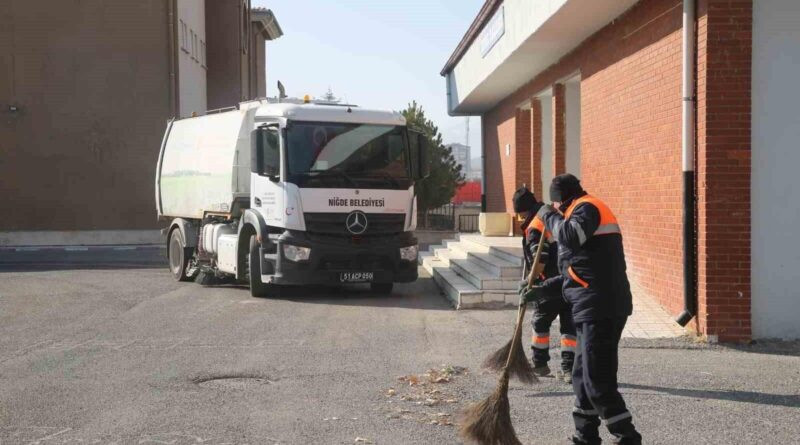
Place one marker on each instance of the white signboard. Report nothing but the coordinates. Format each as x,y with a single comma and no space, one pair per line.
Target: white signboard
493,31
347,200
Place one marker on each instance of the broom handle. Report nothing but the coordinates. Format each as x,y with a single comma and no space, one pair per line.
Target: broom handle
536,258
522,308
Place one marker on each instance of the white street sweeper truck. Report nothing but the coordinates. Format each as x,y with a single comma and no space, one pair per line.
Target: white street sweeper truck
291,192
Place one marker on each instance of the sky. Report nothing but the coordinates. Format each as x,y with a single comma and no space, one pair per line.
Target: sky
372,53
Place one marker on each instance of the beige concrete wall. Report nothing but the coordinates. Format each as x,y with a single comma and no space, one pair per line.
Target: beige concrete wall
261,66
92,82
191,15
227,52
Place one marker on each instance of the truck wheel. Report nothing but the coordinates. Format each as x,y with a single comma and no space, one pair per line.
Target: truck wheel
381,288
257,287
178,255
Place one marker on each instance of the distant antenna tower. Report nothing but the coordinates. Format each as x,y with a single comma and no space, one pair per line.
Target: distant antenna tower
466,142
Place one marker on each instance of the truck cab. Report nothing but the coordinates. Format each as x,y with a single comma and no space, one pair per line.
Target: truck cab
293,193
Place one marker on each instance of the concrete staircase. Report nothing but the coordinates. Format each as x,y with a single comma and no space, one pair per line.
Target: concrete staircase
476,271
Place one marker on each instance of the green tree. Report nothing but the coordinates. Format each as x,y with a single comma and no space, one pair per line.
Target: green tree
445,175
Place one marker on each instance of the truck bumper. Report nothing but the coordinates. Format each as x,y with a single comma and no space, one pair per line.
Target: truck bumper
332,256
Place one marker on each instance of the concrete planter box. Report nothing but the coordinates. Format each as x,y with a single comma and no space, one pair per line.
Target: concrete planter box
494,224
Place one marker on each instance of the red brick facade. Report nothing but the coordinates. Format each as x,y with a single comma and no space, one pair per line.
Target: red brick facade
536,147
724,53
559,130
631,149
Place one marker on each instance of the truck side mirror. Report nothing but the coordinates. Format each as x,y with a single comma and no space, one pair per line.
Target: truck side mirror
424,157
420,154
265,159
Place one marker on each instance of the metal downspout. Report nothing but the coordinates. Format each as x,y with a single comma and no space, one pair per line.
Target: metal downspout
173,56
688,155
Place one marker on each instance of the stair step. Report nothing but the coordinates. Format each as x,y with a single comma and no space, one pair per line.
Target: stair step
481,278
498,266
470,245
447,254
431,261
459,291
510,254
457,246
422,256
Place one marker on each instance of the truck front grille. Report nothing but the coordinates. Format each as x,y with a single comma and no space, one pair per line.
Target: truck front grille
378,224
367,263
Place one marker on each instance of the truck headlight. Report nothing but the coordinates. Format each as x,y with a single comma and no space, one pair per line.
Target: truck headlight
408,253
296,253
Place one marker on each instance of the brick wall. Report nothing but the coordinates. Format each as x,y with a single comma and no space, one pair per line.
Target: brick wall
630,137
631,149
498,130
724,50
559,130
522,152
536,148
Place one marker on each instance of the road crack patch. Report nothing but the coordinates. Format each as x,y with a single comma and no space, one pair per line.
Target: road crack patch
234,381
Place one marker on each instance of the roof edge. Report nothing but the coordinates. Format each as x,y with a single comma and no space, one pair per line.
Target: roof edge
270,29
487,11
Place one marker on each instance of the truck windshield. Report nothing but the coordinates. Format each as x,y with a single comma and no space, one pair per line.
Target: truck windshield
353,155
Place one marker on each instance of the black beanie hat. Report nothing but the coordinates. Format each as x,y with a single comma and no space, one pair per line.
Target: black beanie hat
565,187
523,200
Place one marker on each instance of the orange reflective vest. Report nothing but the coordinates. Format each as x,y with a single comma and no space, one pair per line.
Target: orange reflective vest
608,222
538,224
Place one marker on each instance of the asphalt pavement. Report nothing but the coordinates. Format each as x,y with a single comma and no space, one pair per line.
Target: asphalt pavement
128,355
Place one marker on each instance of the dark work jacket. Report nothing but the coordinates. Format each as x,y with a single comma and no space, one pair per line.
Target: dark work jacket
591,260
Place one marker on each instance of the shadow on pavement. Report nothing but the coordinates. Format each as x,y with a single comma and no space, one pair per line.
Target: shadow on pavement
771,347
49,259
422,294
760,398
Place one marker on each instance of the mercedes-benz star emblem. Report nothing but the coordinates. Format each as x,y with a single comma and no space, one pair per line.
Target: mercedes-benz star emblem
356,222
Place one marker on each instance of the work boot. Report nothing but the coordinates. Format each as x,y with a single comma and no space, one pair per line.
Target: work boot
575,440
541,369
566,376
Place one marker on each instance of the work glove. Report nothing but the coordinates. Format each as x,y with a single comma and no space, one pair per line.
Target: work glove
545,210
534,294
522,288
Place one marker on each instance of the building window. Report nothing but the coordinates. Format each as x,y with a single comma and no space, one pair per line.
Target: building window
184,37
193,46
245,31
203,54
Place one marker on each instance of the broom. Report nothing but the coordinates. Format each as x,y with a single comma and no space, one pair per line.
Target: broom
517,363
489,422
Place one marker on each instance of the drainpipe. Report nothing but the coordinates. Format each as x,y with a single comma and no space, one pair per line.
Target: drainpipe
687,146
173,55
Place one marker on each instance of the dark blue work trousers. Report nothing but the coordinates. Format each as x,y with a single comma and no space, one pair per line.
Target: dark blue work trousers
594,380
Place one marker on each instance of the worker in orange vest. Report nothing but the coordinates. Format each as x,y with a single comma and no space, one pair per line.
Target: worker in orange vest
545,311
595,283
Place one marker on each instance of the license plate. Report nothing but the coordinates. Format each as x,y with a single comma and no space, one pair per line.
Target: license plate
355,277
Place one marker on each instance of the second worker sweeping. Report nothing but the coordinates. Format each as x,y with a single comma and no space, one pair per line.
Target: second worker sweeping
545,311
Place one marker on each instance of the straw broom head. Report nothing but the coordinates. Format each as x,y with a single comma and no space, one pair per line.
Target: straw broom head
489,422
518,365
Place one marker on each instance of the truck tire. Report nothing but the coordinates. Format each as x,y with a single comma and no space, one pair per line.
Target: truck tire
178,255
381,288
257,287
